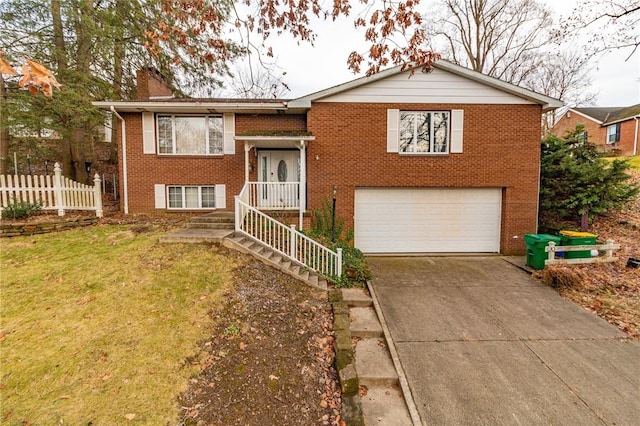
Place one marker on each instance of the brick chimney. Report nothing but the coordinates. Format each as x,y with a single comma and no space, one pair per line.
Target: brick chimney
151,83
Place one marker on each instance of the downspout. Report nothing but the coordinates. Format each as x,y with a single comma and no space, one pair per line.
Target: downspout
125,187
635,137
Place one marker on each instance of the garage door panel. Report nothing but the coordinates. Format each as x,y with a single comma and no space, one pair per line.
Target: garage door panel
397,220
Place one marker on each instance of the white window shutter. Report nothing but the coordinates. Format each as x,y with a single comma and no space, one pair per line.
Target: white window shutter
393,130
457,124
160,194
221,197
148,133
229,123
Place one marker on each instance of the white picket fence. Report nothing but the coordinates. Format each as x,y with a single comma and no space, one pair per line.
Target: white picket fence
51,192
605,249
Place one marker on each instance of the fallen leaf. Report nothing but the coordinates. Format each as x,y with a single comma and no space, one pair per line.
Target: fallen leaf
242,346
130,416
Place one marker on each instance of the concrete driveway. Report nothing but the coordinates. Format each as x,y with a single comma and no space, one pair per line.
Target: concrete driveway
481,343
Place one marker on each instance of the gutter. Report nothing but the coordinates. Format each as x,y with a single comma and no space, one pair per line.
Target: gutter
125,187
635,137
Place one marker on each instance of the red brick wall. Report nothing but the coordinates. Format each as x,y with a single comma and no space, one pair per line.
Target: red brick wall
146,170
598,134
501,149
150,82
627,137
595,133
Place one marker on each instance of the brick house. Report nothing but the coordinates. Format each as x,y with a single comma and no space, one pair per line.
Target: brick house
439,161
613,129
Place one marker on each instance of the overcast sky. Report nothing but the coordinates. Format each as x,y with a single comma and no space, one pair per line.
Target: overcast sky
313,68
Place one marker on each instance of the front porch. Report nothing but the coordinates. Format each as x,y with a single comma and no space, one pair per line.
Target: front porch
278,162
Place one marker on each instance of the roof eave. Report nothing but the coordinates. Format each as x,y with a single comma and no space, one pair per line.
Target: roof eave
194,107
548,103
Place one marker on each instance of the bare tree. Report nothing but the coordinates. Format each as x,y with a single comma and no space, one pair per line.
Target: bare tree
257,82
609,24
500,38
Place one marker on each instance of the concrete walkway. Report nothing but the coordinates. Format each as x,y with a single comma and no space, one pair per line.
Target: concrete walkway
481,343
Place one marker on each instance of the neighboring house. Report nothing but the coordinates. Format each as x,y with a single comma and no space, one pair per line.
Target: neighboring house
612,129
440,161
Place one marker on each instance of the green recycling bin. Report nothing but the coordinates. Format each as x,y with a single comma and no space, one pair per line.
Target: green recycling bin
575,238
536,244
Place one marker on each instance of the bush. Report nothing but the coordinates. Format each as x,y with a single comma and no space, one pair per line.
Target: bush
576,182
21,209
354,264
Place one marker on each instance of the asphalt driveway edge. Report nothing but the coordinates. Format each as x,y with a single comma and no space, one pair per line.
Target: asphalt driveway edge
402,378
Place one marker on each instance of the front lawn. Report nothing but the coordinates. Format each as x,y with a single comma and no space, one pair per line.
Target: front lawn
96,324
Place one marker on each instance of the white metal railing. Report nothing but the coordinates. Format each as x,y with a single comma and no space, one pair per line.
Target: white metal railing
285,240
607,249
274,195
51,192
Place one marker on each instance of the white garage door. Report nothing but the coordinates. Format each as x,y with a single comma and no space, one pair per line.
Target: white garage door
427,220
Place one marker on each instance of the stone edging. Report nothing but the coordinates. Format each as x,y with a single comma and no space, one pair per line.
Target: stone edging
16,229
345,361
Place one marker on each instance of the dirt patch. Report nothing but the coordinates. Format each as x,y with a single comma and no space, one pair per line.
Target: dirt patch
611,290
270,357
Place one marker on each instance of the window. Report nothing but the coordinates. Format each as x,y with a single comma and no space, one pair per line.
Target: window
191,197
583,137
424,132
190,135
613,133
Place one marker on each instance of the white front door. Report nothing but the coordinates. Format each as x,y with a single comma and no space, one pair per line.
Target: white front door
280,170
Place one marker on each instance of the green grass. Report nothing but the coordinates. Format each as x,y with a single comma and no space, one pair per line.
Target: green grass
97,324
633,161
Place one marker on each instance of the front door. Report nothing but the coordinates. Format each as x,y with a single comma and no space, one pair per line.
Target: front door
280,171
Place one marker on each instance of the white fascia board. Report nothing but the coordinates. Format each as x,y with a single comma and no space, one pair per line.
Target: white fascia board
274,138
631,117
191,107
548,103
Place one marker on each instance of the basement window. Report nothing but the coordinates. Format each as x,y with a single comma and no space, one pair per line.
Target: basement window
191,197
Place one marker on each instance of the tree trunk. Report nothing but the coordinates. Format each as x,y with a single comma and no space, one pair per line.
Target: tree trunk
584,220
4,130
118,72
58,36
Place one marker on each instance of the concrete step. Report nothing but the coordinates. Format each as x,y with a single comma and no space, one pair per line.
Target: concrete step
374,364
356,297
189,235
269,257
217,218
384,405
364,323
211,225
